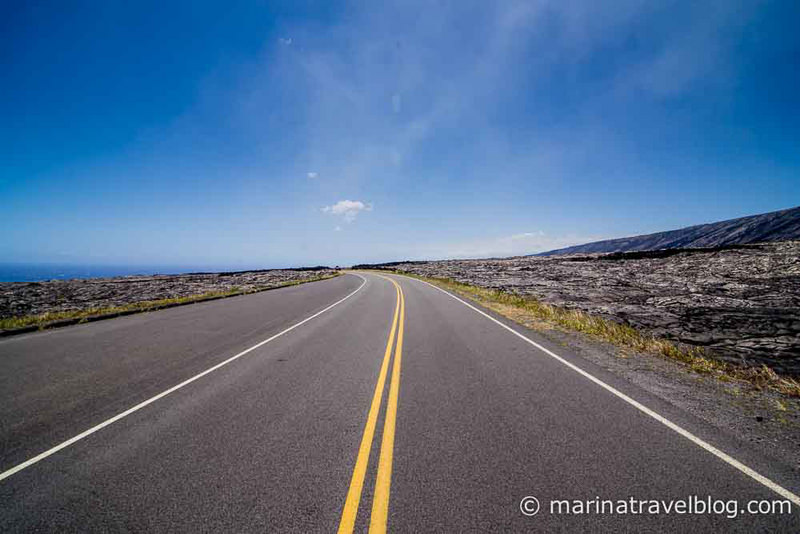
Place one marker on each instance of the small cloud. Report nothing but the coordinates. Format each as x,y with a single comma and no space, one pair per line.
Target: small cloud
286,41
397,103
313,174
349,209
337,229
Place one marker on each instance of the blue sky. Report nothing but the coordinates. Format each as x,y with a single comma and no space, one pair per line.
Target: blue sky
267,134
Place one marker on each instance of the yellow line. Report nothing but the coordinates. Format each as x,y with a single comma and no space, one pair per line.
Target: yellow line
380,502
350,511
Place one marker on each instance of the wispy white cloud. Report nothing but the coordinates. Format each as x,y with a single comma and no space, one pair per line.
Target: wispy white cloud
348,209
698,52
387,102
512,245
433,91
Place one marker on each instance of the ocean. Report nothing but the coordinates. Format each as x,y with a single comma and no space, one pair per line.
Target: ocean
37,272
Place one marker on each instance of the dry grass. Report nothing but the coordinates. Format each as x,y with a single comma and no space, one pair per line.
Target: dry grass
46,319
531,312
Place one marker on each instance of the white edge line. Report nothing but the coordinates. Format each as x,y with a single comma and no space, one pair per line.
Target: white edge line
783,492
151,400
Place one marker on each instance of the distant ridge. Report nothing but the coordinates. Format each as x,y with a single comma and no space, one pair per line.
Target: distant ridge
781,225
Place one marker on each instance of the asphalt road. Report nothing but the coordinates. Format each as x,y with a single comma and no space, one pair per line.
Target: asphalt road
354,403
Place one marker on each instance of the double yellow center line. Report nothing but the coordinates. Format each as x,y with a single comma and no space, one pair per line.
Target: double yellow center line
380,500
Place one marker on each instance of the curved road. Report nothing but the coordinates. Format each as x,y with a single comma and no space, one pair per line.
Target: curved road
363,402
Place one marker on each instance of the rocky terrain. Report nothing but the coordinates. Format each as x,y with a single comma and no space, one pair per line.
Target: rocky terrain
33,298
742,302
775,226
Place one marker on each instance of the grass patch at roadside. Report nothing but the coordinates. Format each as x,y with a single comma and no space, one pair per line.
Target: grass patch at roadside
528,310
45,320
